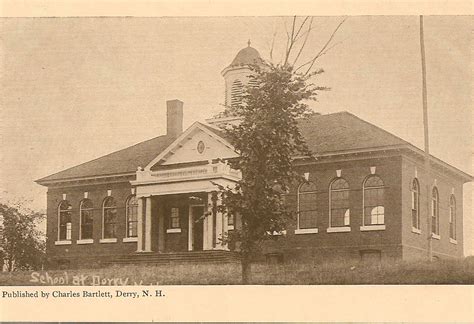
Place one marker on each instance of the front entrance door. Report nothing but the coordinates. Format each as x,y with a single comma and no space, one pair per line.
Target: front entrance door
196,228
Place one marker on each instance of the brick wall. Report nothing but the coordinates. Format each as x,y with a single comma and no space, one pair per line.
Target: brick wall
396,241
415,245
325,245
96,252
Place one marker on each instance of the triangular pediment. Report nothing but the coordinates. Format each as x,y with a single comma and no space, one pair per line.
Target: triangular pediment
198,143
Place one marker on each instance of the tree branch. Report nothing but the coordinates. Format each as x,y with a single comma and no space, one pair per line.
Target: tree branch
304,42
290,41
323,50
301,27
272,46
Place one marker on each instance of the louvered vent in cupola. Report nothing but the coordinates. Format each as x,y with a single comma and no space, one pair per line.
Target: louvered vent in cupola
236,93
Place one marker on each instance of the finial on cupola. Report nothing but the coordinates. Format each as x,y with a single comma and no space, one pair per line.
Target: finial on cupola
248,42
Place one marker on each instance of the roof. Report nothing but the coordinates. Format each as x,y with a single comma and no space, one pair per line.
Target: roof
340,131
246,56
215,130
344,131
124,161
324,134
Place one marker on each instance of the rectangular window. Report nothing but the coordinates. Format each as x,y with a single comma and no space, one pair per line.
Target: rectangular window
377,216
174,218
110,223
452,221
434,229
230,219
132,229
132,221
68,231
340,213
374,211
86,224
65,225
434,218
415,221
347,218
308,214
452,233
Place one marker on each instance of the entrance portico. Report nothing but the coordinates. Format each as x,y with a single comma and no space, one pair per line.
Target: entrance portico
178,208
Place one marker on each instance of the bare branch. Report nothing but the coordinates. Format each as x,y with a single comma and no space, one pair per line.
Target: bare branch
287,39
304,34
304,42
323,50
293,27
323,53
325,46
301,27
329,48
272,46
290,41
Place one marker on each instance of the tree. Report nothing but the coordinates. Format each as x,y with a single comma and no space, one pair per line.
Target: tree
22,247
267,140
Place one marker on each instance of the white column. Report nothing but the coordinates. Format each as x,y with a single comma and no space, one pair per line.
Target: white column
225,229
219,225
140,225
190,229
205,239
223,217
148,225
210,222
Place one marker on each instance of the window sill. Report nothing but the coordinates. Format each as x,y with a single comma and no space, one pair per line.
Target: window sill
340,229
108,240
435,236
275,233
85,241
173,230
415,230
306,231
372,228
67,242
130,239
230,227
453,241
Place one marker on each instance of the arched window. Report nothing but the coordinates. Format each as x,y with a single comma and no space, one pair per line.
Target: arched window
236,92
307,206
339,212
87,219
65,224
415,204
374,210
109,220
132,220
435,211
452,217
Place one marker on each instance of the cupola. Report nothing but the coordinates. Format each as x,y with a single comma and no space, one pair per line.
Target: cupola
236,75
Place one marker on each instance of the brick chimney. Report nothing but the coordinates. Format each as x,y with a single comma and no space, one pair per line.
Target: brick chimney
174,117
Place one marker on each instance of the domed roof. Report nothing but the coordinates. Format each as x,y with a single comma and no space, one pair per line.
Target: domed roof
246,56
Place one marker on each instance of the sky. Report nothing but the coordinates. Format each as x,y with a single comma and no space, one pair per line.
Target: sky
74,89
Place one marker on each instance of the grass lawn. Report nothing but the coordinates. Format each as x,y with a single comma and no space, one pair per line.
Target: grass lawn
441,272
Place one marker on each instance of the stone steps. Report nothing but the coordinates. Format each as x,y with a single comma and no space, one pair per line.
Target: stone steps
197,257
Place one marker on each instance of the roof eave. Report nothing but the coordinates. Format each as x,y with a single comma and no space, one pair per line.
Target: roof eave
45,182
463,175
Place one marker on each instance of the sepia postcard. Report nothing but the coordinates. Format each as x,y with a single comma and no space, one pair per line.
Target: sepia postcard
236,161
